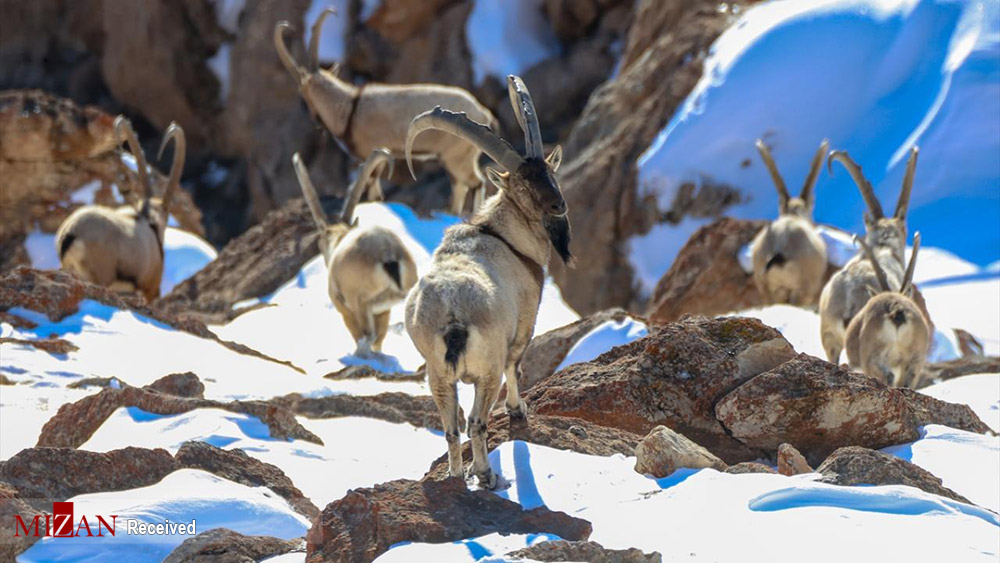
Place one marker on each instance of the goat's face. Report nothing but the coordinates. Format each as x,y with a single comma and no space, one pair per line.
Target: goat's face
885,231
533,186
798,207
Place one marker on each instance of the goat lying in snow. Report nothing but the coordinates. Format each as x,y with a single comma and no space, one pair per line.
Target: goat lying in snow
473,314
376,115
789,256
889,338
122,249
848,290
369,268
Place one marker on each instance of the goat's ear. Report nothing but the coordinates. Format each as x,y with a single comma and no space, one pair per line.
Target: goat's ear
872,292
497,178
555,158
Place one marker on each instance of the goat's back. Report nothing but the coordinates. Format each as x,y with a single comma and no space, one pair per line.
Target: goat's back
369,265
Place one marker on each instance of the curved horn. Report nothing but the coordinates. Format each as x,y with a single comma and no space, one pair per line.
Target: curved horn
883,281
368,169
461,126
176,134
124,132
779,182
817,164
859,178
904,195
524,110
286,58
908,276
317,28
309,193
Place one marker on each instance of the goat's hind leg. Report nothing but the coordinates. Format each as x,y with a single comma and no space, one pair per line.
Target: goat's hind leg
487,390
446,398
517,408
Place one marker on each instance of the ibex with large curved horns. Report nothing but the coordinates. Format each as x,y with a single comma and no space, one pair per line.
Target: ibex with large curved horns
473,314
789,255
376,115
122,249
848,290
369,269
889,338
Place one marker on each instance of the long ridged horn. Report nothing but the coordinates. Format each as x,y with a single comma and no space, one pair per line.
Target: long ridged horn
883,281
176,134
908,276
817,164
368,169
874,207
309,193
317,28
524,110
772,168
461,126
124,132
904,195
286,58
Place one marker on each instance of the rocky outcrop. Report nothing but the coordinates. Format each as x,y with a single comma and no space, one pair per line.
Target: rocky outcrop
745,467
966,365
221,545
664,451
179,384
791,461
592,552
673,377
366,522
420,411
52,345
854,465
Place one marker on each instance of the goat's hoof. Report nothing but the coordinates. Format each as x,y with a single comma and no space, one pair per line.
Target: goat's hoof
487,479
520,412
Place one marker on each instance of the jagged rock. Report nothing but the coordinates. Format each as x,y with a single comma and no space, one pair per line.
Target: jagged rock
854,465
52,345
179,384
791,462
968,344
819,407
366,522
592,552
221,545
672,377
4,380
546,351
57,295
362,371
75,423
966,365
420,411
13,504
235,465
664,451
745,467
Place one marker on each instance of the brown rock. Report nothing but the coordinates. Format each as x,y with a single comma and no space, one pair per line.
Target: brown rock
968,344
12,504
966,365
664,451
745,467
52,345
366,522
235,465
226,546
362,371
562,550
179,384
820,407
420,411
672,377
791,462
854,465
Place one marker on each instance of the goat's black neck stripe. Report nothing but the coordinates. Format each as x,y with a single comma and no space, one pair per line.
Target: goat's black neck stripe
536,269
350,121
156,235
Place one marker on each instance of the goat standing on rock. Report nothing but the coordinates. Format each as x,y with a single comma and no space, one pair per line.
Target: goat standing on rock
376,115
789,256
122,249
369,268
473,314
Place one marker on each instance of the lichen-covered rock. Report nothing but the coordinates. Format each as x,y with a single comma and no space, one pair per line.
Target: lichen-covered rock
664,451
179,384
592,552
791,461
745,467
855,465
221,545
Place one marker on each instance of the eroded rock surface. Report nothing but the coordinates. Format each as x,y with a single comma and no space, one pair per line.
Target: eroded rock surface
664,451
222,545
592,552
855,465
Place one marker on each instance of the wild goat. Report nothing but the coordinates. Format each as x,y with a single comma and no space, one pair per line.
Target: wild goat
848,290
889,338
369,269
122,249
473,314
789,256
377,115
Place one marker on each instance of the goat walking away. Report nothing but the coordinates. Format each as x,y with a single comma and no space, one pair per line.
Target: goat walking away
377,115
122,249
369,268
473,314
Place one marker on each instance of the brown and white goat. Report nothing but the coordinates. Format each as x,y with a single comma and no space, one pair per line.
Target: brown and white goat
122,249
472,315
377,115
369,269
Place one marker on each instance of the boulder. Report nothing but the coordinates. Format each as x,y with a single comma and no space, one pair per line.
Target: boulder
221,545
673,377
664,451
745,467
592,552
366,522
179,384
791,462
966,365
855,465
420,411
52,345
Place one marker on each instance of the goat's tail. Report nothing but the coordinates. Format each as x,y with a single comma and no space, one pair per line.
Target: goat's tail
456,337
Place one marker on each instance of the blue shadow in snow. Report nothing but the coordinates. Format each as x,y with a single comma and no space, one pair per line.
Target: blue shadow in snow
428,232
524,476
139,415
219,441
675,478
